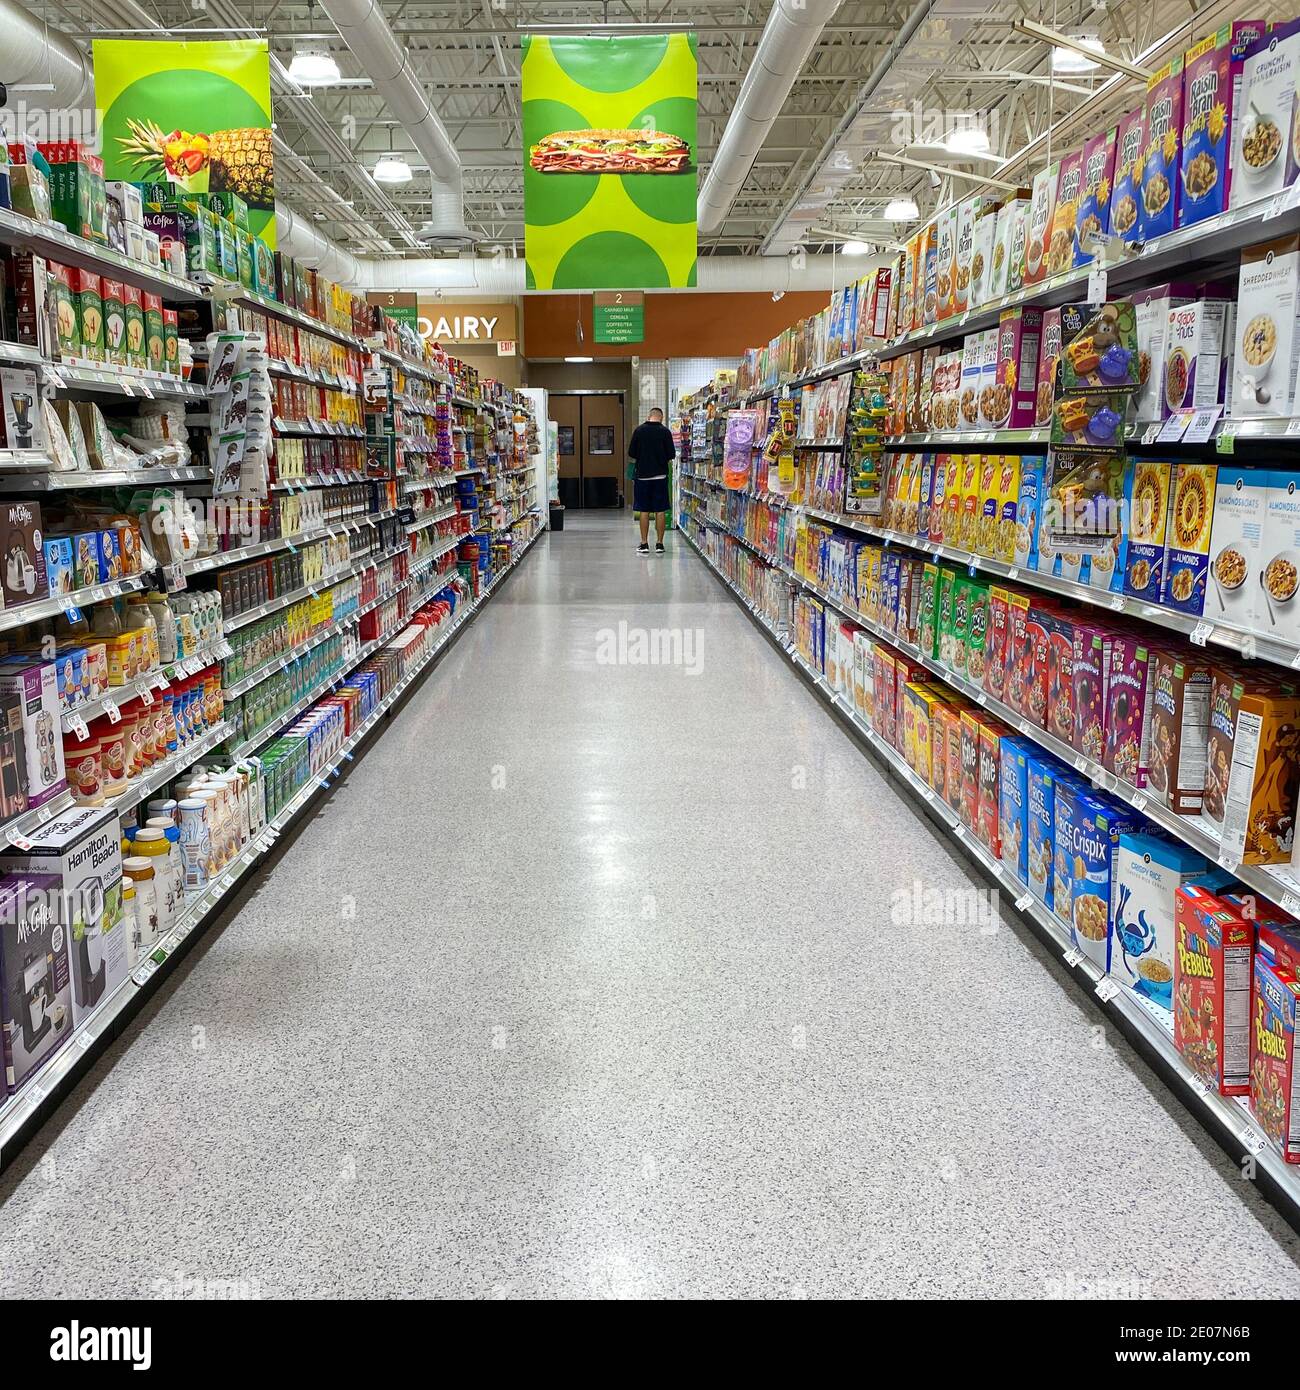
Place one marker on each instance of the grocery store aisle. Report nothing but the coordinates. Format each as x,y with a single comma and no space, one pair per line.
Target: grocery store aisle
591,979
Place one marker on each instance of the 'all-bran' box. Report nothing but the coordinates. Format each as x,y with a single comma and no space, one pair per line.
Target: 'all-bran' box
1273,1074
1214,949
1040,782
1128,709
1164,123
1038,229
1092,218
1180,729
1259,815
1130,149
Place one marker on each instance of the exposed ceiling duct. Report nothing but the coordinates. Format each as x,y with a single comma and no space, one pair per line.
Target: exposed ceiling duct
298,238
364,29
35,54
792,28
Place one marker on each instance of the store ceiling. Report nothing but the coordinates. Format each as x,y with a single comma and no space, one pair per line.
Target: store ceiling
965,57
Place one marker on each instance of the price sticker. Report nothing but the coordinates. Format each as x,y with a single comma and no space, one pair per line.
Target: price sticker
1291,904
111,709
996,866
1253,1142
174,577
981,697
1014,572
1151,433
1200,634
960,831
973,567
1227,860
1226,443
1118,603
1198,1086
1106,990
146,388
1023,901
127,388
84,1039
73,614
1139,803
1293,426
78,726
1096,284
146,696
1072,957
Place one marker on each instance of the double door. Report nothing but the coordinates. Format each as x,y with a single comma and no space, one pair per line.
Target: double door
592,453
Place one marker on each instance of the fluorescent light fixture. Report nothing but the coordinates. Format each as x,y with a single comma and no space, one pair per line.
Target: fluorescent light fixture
577,359
1071,60
902,210
392,168
855,248
314,67
967,139
1084,48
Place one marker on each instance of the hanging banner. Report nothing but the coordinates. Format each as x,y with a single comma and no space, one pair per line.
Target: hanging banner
610,161
193,118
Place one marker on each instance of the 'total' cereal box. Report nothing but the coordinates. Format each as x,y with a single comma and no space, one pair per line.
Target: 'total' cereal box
1130,150
1014,805
1180,729
1040,781
1273,1073
1187,541
1092,218
1164,122
1214,951
1090,670
1259,817
1128,708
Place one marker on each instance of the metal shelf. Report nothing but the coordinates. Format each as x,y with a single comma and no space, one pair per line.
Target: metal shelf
121,381
307,591
79,598
146,684
330,531
223,289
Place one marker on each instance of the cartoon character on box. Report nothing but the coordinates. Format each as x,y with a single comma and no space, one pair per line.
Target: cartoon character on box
1272,1053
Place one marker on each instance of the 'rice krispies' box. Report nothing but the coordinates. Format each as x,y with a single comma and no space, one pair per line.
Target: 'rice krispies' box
1262,135
1180,728
1149,872
1093,215
1236,540
1274,1077
1040,826
1088,831
1213,973
1130,149
1013,801
1267,345
1146,496
1260,810
1128,708
1090,670
1164,123
1069,194
1187,539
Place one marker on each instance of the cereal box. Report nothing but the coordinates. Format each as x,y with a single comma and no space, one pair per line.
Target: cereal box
945,467
967,528
1146,497
1092,217
862,672
1019,650
961,597
1213,973
1090,672
1187,539
945,401
885,694
1106,567
968,809
1228,686
1262,134
1040,827
946,590
1060,675
953,772
981,261
928,637
963,253
1034,662
977,622
1180,729
925,496
996,638
1236,539
928,301
1019,337
1038,229
1151,309
986,528
1017,243
989,400
1211,79
946,264
1267,342
972,367
1004,544
988,823
1277,611
1130,147
1027,512
1013,804
88,298
1274,1078
1149,872
1049,354
1193,367
1088,831
926,701
1260,806
1069,195
1164,123
1128,708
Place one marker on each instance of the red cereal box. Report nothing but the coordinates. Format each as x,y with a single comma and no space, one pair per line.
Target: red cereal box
1214,949
885,695
997,637
1016,661
1273,1074
1090,673
1060,676
988,818
1032,648
968,809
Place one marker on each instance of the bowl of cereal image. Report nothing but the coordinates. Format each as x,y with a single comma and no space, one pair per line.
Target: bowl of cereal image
1261,143
1280,578
1091,926
1258,346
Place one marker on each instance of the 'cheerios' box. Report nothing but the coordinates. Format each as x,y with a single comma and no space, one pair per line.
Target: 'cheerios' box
1187,539
1236,546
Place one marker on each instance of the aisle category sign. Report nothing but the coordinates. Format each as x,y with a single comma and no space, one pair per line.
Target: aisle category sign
618,316
194,118
610,161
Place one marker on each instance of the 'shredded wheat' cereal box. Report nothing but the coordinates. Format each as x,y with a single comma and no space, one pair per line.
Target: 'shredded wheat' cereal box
1213,972
1273,1073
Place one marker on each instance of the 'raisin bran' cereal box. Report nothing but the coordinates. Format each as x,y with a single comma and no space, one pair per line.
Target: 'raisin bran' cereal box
1090,670
1262,134
1128,708
1259,816
1180,729
1038,230
1236,537
1092,217
1069,195
1213,970
1273,1073
1040,781
1130,149
1164,123
1187,540
1014,804
1211,79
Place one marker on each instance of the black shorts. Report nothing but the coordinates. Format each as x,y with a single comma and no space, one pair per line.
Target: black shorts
650,495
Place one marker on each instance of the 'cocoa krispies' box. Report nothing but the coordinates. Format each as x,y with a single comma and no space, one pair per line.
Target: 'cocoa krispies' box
1128,712
1213,968
1180,727
1259,816
1060,675
1273,1073
1090,672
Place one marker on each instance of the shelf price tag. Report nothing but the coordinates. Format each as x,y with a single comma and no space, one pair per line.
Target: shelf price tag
1200,634
1072,957
71,612
1253,1142
1226,443
1202,423
1118,602
1014,572
1023,901
174,577
1175,427
1291,904
111,709
1293,426
146,695
1096,284
1106,990
1151,433
78,726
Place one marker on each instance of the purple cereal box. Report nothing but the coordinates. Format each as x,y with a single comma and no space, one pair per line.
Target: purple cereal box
1128,708
1126,201
1090,674
1019,336
1096,180
1164,122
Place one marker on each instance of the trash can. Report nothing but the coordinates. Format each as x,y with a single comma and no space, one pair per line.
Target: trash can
557,517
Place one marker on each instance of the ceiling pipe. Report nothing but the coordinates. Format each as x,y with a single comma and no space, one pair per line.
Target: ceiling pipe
36,54
362,26
296,237
792,28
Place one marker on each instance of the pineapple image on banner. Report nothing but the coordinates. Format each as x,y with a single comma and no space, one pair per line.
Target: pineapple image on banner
189,119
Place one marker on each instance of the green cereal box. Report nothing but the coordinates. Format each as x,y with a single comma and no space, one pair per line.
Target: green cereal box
114,322
155,342
244,246
977,624
88,297
947,584
928,636
961,601
65,310
137,352
171,343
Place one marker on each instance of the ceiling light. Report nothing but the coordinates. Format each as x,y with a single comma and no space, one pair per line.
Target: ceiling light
577,359
314,67
902,210
1071,60
855,248
392,168
967,139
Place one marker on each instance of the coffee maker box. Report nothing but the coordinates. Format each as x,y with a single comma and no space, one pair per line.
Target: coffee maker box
80,853
35,981
36,687
22,553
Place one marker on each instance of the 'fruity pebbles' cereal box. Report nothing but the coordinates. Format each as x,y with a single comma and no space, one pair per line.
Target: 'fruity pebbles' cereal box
1213,968
1164,122
1273,1074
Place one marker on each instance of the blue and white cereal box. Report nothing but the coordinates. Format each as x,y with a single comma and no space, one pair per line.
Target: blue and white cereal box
1041,771
1013,805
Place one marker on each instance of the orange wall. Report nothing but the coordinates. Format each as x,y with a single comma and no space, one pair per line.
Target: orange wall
690,324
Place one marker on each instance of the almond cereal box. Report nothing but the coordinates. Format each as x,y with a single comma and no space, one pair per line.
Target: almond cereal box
1038,230
1069,194
1092,217
1090,672
1259,814
968,809
1013,804
1236,540
1146,497
1040,783
1187,539
1130,147
1128,708
988,819
1277,611
1180,729
1164,123
1214,949
1273,1074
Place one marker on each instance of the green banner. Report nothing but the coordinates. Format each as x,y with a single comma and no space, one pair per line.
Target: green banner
196,116
610,161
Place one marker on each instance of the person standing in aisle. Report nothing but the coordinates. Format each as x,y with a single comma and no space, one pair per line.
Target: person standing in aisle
651,450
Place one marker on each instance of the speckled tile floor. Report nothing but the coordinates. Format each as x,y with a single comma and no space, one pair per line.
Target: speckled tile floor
635,1022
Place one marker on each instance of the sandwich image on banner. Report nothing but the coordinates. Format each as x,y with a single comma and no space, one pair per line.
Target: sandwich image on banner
610,152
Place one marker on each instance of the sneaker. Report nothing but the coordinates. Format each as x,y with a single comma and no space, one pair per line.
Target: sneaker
643,550
659,548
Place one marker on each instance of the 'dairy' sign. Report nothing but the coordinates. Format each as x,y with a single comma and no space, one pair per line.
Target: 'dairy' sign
463,321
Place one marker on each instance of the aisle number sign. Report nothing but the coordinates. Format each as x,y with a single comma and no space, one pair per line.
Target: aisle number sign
618,316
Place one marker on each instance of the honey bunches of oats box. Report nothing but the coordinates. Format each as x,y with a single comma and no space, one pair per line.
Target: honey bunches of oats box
1187,539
